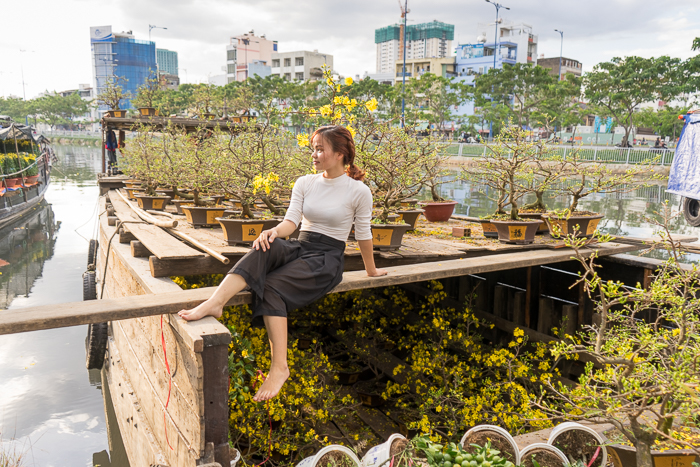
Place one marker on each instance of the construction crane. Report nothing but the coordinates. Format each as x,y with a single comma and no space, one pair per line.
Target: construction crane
402,25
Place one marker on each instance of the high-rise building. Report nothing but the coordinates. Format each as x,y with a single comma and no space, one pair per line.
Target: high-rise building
121,55
427,40
248,55
167,62
300,66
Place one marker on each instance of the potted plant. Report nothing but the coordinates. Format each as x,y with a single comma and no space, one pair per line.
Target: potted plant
583,178
10,166
508,169
332,456
542,455
143,159
438,209
453,454
579,443
112,94
145,96
496,437
646,350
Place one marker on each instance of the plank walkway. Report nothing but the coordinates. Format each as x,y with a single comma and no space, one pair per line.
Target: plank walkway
97,311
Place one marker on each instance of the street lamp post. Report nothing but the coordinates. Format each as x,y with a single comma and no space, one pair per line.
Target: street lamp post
151,27
495,48
403,74
561,50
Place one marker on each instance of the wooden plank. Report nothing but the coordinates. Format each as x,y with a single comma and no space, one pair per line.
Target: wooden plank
73,314
192,266
125,236
163,245
138,250
216,410
134,429
655,238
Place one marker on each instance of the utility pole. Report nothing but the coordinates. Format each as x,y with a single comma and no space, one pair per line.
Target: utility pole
404,13
495,49
561,50
24,94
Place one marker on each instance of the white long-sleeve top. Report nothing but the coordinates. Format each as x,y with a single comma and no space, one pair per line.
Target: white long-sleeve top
330,206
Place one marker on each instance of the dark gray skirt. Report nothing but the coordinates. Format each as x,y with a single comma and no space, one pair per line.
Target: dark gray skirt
292,273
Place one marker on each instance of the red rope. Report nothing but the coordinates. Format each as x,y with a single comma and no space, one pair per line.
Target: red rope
269,419
595,456
170,382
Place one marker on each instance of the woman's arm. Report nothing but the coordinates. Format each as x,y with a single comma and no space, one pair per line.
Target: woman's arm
367,251
283,229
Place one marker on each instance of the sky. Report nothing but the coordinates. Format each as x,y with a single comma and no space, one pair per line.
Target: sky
49,40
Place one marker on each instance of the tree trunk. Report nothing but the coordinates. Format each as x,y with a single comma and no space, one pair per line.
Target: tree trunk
645,438
196,198
436,196
538,205
182,195
271,206
247,212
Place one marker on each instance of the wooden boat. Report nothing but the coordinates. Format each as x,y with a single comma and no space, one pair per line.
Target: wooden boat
17,199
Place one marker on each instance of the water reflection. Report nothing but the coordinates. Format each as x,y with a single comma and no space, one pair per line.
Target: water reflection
49,403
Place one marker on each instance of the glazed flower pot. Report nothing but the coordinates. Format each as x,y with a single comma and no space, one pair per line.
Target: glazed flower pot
579,442
166,192
543,454
388,236
156,203
410,216
499,438
133,183
488,228
148,112
517,232
623,456
179,203
203,216
409,203
438,212
132,192
244,231
116,113
585,226
542,229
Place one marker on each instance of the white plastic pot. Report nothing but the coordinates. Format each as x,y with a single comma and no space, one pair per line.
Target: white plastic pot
568,426
235,460
498,430
313,460
378,455
545,447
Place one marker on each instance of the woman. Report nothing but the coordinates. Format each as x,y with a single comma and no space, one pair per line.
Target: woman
288,274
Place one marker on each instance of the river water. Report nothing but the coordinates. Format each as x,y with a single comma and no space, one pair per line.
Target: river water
51,407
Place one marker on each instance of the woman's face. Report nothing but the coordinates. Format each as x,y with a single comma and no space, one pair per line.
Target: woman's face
324,157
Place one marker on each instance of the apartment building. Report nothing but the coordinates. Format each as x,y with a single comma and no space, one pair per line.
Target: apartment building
302,65
248,55
426,40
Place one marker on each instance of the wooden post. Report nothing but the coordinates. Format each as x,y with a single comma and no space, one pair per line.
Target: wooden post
544,319
499,301
104,163
570,313
519,307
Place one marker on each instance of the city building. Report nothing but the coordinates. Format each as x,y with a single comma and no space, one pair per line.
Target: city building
120,55
248,55
415,67
568,65
302,65
426,40
168,81
167,62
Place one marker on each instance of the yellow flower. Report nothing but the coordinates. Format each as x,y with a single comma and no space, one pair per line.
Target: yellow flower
371,104
302,139
329,82
348,81
326,110
352,131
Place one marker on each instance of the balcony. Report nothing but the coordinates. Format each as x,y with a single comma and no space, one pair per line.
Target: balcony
400,74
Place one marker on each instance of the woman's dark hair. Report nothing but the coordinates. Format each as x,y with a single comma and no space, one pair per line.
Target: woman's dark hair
340,140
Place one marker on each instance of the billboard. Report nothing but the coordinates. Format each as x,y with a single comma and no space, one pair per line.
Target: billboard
101,34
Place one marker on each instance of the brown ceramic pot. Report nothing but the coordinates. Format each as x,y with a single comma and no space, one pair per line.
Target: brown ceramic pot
244,231
438,212
388,236
203,216
585,226
518,232
155,203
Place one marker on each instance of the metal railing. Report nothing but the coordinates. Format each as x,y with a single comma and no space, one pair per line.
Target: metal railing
74,133
610,155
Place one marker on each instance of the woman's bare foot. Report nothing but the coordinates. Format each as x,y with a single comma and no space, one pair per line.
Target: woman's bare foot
272,385
204,309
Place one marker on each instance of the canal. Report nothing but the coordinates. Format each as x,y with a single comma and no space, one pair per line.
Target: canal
51,407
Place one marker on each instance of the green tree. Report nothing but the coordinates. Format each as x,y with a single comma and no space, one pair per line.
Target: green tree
664,121
55,109
16,108
616,88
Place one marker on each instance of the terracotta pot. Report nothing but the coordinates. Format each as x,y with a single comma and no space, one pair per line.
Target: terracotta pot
244,231
542,229
181,202
31,180
520,233
410,216
13,182
388,236
116,113
438,212
156,203
488,228
148,112
587,225
203,216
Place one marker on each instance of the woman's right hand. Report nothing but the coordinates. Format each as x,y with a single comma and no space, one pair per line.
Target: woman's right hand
264,239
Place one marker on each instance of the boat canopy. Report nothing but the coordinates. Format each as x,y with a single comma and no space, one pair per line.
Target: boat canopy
19,132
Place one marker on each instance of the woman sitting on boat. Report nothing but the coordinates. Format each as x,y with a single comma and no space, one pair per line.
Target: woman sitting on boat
288,274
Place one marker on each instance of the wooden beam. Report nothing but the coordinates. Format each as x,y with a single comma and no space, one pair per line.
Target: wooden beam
97,311
138,250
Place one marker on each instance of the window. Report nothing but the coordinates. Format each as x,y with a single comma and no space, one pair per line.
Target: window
481,70
287,76
299,76
287,62
231,68
299,61
276,63
231,55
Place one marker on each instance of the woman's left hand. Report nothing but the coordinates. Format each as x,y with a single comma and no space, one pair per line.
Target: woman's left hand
378,273
264,239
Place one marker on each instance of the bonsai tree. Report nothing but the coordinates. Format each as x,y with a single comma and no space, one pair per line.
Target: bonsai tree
645,347
112,93
143,160
206,100
259,160
583,178
147,92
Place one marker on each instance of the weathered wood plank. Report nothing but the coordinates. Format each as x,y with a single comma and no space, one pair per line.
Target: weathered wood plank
73,314
163,245
188,267
216,410
138,250
134,429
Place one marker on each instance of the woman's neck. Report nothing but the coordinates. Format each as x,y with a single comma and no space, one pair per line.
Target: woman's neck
334,172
